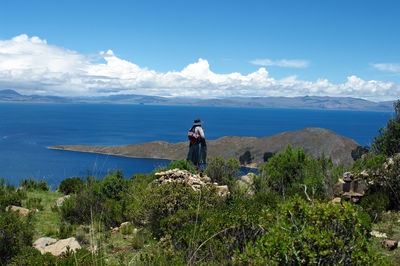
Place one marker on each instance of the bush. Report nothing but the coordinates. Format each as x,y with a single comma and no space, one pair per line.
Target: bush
71,185
183,165
102,200
32,257
223,172
31,184
302,233
375,203
15,234
388,141
288,171
369,162
358,152
34,203
10,196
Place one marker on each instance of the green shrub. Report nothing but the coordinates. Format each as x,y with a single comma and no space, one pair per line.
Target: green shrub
388,141
375,202
289,171
31,184
34,203
303,233
369,162
358,152
31,257
223,172
71,185
15,234
183,165
10,196
113,186
102,200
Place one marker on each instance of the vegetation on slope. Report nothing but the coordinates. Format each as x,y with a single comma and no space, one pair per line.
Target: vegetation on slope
285,216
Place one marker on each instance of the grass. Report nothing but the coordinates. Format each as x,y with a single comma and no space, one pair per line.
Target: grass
389,224
46,221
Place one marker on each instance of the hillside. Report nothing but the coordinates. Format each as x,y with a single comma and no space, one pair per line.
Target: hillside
315,141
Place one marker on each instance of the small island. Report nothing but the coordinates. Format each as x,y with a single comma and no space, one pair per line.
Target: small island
250,151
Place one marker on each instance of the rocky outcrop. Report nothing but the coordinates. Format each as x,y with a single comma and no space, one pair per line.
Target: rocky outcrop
249,150
389,244
43,242
21,210
246,182
60,201
195,181
57,248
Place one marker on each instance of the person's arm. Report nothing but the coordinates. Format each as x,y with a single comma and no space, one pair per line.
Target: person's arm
200,131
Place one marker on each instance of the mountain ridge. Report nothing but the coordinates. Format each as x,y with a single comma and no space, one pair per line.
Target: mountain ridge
303,102
315,141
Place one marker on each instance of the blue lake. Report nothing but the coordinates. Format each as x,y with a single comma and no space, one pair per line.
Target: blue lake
27,129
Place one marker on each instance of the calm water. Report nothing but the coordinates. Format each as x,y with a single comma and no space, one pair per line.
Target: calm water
26,130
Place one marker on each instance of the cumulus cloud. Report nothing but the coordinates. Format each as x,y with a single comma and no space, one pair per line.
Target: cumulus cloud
391,67
30,65
281,63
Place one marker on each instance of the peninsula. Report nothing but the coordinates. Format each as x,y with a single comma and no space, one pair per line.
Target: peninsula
250,151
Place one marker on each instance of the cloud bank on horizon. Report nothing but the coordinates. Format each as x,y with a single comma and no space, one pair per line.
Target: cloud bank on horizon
30,65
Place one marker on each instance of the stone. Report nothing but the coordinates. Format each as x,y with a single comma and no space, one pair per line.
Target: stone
60,246
378,234
222,190
348,176
43,242
125,224
389,244
21,210
337,200
60,201
248,179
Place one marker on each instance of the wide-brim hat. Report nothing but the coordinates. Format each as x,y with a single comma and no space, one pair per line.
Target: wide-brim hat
197,122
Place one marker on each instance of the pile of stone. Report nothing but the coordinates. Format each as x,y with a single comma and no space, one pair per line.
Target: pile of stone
195,181
352,186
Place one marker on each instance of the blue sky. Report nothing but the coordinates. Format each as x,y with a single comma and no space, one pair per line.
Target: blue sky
334,48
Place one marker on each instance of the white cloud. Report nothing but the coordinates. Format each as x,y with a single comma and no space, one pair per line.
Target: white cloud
391,67
32,66
281,63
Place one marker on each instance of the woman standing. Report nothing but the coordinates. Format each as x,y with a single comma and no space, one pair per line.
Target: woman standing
198,146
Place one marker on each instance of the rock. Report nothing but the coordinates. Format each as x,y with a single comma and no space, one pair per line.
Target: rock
222,190
60,246
43,242
21,210
125,224
61,200
389,244
378,234
114,229
337,200
248,179
348,176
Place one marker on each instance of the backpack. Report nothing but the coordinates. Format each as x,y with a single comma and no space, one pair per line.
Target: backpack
193,137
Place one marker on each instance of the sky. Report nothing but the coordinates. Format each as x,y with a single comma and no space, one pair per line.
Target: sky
204,49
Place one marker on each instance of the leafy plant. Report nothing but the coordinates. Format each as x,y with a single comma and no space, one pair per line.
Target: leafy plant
388,141
183,165
306,232
71,185
221,171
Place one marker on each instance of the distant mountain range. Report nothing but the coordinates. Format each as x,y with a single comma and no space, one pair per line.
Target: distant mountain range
306,102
